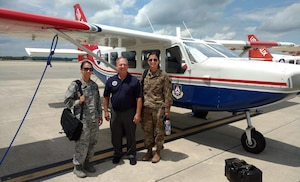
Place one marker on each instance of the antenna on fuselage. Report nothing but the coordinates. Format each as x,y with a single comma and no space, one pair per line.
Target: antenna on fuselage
187,29
150,23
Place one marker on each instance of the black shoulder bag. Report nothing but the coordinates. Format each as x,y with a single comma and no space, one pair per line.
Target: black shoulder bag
70,124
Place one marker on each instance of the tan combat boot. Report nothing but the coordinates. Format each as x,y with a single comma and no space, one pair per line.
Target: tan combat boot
156,157
148,155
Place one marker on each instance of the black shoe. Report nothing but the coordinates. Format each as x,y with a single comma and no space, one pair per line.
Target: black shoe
132,161
116,159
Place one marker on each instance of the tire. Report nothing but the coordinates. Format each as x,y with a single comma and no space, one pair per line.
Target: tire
200,114
258,142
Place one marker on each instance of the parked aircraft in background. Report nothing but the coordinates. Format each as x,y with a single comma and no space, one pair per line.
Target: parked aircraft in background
99,50
205,76
266,55
294,51
246,46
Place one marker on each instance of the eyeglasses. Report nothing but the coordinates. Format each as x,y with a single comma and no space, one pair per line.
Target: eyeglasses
88,69
153,60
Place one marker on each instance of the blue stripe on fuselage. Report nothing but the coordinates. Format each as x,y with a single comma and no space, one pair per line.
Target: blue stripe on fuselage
224,99
101,76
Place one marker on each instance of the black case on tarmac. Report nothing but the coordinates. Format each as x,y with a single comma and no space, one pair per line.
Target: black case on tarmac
237,170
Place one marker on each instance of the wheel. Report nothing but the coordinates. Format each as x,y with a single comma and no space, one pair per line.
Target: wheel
200,114
258,142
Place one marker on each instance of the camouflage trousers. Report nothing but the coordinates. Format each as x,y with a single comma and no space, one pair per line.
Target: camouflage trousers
153,127
84,147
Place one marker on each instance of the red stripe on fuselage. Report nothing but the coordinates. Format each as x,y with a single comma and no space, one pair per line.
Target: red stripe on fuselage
231,80
254,82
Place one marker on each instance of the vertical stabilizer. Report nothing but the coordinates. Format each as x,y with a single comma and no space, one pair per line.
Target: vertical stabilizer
79,15
261,53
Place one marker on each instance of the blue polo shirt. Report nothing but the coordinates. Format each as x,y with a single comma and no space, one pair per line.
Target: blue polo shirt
123,93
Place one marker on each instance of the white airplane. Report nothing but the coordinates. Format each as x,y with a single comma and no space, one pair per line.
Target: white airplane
205,76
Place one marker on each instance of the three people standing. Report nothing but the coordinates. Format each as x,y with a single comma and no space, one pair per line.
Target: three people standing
125,93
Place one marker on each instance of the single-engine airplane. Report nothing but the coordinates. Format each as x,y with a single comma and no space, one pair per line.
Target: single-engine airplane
205,76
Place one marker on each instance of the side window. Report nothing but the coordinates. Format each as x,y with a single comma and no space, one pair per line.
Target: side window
174,60
130,55
291,61
105,57
145,54
113,58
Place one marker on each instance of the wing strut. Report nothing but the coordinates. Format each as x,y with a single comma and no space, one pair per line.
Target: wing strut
68,38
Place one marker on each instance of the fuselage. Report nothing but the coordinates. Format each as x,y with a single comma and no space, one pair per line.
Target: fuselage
209,78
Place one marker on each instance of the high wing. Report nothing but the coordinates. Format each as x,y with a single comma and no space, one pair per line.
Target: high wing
38,26
35,26
32,51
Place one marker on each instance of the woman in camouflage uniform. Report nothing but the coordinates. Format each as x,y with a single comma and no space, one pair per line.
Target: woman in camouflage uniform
91,118
157,102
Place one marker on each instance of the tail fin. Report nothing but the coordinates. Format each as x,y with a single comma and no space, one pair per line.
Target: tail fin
79,16
78,12
259,52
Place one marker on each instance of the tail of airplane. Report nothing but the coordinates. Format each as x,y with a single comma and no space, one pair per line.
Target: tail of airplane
79,15
261,53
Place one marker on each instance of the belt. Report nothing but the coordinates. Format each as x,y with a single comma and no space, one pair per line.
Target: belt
123,109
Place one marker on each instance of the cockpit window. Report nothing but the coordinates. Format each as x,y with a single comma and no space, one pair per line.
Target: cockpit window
199,51
223,50
200,48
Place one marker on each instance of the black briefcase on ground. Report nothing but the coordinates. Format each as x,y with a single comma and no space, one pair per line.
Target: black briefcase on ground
71,125
237,170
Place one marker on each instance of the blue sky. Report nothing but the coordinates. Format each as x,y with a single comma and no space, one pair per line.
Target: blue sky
275,20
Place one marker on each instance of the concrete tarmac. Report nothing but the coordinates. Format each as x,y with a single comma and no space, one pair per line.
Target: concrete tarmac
199,156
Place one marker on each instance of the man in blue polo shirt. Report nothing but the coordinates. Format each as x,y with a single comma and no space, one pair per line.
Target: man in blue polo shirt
125,93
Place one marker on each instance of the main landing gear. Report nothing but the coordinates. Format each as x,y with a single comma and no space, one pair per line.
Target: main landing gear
252,140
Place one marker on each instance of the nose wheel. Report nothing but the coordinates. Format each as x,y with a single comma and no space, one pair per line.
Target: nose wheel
252,140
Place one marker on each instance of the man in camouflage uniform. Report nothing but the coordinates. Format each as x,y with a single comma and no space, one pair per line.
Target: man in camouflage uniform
157,102
91,118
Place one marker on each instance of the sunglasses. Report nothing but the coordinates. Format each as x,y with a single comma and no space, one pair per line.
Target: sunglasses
152,60
88,69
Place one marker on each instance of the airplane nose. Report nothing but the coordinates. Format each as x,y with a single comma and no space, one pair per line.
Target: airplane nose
294,81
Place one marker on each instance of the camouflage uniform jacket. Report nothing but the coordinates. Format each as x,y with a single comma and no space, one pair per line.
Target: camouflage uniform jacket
157,90
92,106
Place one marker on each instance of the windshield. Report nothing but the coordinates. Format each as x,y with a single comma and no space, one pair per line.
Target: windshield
199,52
224,50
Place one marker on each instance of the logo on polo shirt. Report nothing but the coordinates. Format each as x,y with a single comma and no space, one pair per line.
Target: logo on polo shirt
114,83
